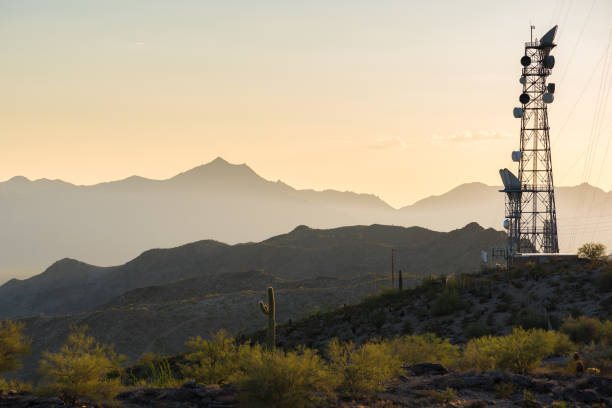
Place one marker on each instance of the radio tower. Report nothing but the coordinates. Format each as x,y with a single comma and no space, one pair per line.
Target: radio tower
531,218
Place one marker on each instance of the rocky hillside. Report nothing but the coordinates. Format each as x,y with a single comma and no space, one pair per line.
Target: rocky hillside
459,307
464,306
70,286
157,301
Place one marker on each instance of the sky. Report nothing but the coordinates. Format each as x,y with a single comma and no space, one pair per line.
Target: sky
396,98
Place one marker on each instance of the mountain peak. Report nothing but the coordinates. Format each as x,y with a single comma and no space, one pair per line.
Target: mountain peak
219,161
219,171
18,180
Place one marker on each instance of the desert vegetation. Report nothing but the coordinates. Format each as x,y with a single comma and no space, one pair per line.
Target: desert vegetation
357,366
85,369
592,250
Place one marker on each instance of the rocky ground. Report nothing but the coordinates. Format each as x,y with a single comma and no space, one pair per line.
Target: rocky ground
489,302
424,385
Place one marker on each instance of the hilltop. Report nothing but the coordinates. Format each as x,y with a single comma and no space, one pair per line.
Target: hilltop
464,306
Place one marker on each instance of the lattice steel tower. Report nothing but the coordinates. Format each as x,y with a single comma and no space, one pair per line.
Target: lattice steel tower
531,218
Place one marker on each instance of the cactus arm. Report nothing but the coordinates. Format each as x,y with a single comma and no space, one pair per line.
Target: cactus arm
270,310
264,308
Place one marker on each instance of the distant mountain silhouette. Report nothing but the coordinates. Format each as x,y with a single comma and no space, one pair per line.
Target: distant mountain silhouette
108,223
70,286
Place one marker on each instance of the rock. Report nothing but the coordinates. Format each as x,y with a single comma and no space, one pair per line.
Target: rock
478,381
427,369
20,400
587,396
584,396
602,385
477,404
521,381
543,386
526,403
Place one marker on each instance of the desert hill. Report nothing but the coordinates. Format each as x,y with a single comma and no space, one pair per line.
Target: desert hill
460,307
70,286
156,301
107,223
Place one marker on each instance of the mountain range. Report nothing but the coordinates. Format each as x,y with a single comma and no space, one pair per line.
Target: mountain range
154,302
109,223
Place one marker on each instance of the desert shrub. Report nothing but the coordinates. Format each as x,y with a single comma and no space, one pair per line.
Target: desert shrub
529,396
152,370
161,374
592,250
212,361
521,351
598,356
15,385
587,329
422,348
447,302
80,369
476,329
361,371
504,390
530,319
443,397
282,379
13,345
604,280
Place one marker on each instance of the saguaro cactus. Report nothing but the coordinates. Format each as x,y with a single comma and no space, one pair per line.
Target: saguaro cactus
400,280
270,311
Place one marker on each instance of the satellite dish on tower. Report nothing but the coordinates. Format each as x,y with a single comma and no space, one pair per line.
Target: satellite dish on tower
518,112
523,80
548,39
525,61
548,98
524,99
549,62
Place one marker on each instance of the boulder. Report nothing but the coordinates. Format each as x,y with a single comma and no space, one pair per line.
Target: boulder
427,369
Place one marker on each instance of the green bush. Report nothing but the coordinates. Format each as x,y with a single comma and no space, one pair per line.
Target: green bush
363,371
587,330
592,250
448,302
476,329
161,374
213,361
521,351
427,347
13,345
598,356
80,369
282,379
15,385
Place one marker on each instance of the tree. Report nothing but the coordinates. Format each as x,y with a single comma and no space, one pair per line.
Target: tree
592,250
13,345
80,369
214,361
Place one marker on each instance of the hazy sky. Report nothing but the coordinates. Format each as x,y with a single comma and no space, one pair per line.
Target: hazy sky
397,98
